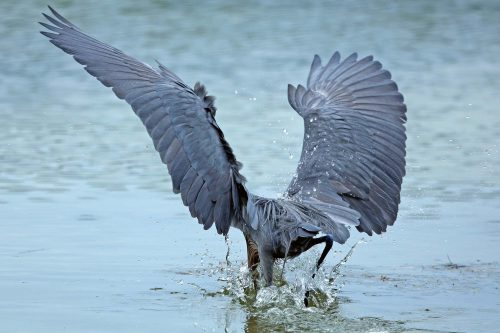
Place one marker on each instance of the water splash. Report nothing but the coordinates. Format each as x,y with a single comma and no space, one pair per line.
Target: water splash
335,272
289,287
281,307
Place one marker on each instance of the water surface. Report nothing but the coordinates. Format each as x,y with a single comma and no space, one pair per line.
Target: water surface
92,239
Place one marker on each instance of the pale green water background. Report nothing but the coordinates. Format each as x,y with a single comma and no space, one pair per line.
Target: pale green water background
93,240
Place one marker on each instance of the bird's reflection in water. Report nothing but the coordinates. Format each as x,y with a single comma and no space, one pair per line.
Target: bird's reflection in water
295,319
323,312
335,322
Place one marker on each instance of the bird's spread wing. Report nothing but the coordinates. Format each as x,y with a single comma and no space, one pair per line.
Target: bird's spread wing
180,120
354,141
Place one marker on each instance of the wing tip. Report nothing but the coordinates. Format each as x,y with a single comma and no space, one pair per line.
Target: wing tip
50,35
59,16
314,70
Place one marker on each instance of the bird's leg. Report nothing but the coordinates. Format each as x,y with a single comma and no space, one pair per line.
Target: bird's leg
328,240
253,259
283,268
226,238
267,262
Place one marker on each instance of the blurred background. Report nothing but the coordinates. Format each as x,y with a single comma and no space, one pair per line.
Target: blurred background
92,239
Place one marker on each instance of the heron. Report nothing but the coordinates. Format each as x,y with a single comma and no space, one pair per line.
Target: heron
350,170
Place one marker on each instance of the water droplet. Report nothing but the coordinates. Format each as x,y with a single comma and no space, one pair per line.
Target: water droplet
236,92
290,156
285,131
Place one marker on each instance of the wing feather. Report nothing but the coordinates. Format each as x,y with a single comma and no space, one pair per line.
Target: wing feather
354,141
180,121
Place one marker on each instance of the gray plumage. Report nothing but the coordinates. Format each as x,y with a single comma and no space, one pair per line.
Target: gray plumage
354,141
349,174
